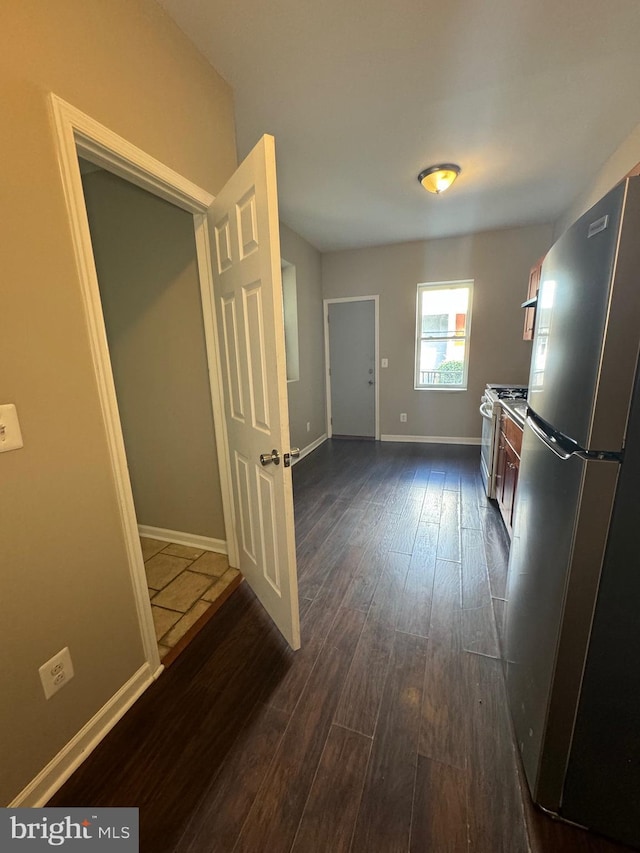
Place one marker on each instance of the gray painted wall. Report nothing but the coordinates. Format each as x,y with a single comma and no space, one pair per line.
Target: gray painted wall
127,65
146,260
306,395
625,158
499,263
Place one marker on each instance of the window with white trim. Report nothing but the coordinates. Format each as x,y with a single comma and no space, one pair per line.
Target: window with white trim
443,324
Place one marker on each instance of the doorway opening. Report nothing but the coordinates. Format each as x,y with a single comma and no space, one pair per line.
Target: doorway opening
351,358
78,135
245,354
146,264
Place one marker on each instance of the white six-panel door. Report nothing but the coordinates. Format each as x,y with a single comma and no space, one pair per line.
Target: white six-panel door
248,292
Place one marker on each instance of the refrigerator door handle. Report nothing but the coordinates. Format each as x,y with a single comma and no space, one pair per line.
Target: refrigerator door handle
563,446
557,443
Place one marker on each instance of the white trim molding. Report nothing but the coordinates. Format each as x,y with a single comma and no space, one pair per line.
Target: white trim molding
310,448
52,777
193,540
433,439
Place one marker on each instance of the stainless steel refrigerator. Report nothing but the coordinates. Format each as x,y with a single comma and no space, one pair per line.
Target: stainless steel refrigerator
573,611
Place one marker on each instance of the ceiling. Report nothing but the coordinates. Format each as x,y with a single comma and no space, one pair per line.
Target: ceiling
530,97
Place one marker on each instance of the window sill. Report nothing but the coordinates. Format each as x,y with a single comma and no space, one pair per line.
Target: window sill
436,388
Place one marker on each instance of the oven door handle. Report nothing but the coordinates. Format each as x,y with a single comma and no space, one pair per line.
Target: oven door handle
484,412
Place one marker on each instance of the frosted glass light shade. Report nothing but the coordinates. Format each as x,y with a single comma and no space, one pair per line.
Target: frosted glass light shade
436,179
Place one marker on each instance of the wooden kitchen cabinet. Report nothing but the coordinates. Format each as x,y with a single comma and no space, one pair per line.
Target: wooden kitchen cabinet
509,445
532,293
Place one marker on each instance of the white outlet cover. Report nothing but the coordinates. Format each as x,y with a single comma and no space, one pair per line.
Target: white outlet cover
51,670
384,362
10,434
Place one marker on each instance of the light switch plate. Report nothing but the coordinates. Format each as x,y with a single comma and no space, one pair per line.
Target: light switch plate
384,362
10,435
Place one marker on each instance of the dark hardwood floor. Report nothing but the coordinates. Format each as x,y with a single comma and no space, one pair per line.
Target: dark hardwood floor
388,731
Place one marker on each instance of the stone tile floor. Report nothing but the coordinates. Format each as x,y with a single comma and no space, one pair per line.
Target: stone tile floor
183,583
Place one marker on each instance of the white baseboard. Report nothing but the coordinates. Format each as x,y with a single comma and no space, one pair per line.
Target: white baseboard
310,448
40,790
432,439
206,543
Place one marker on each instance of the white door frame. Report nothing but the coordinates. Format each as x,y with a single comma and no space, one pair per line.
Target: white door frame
78,134
327,357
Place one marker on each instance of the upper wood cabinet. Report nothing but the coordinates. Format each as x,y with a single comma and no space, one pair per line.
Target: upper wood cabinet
532,293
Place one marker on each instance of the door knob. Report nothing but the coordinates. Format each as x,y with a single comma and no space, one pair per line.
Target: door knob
268,458
371,382
294,453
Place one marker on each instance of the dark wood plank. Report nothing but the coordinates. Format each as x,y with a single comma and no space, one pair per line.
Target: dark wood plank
475,578
386,601
452,477
496,544
319,533
378,478
439,809
449,539
492,774
432,505
365,580
478,624
362,694
499,613
384,819
283,691
360,700
415,604
444,625
469,508
330,813
273,820
445,706
309,514
407,526
341,577
314,569
222,810
479,631
403,483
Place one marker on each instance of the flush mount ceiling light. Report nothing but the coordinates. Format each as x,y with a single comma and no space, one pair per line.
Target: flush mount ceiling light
436,179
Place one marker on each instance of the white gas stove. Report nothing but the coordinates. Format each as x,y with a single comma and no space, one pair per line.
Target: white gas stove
490,410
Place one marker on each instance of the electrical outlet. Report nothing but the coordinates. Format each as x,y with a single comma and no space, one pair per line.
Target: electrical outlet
308,426
55,673
403,417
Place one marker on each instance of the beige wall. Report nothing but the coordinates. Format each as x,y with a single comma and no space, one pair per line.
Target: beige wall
625,158
499,263
63,570
145,255
306,396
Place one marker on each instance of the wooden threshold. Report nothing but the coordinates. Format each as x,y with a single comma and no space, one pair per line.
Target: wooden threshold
184,641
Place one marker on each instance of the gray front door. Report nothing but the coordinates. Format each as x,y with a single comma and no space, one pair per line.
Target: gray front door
352,364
